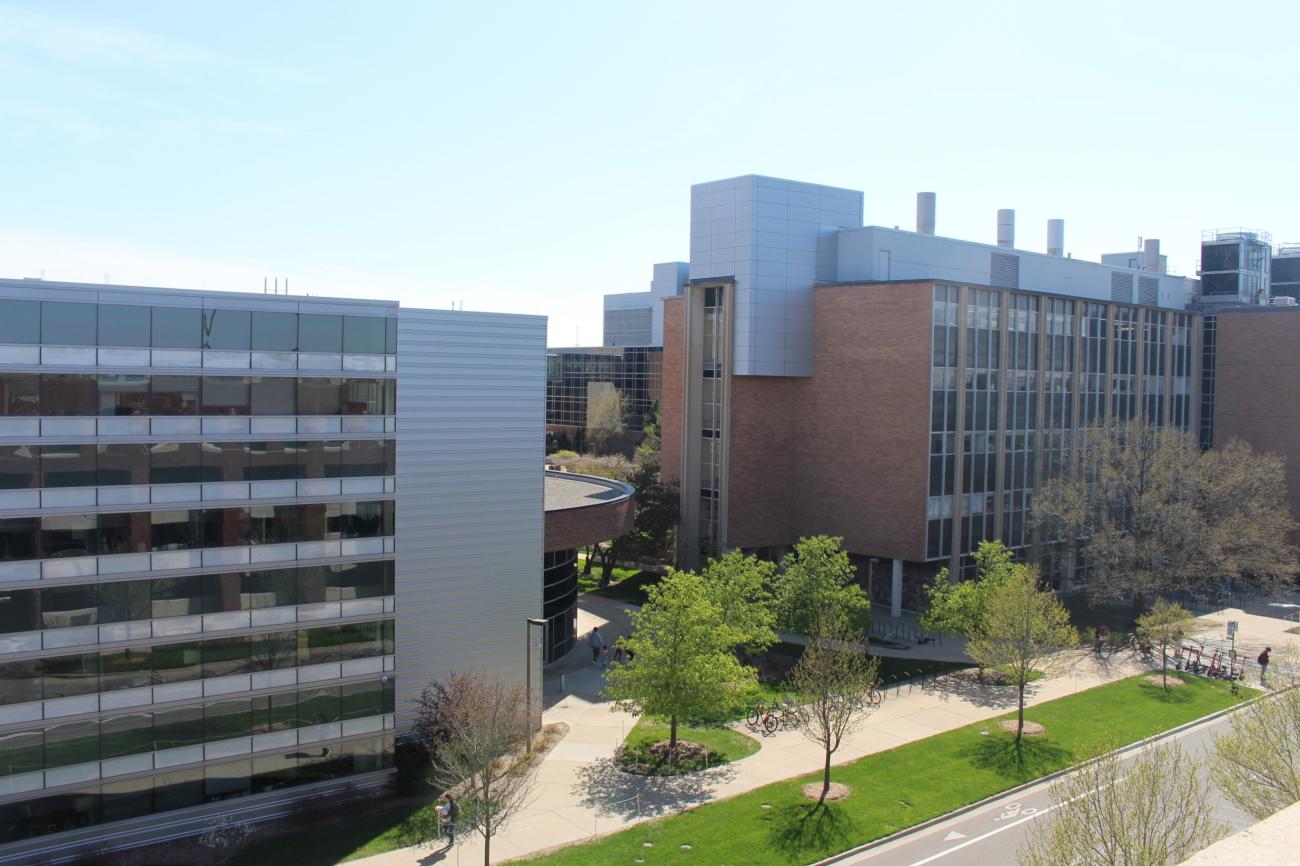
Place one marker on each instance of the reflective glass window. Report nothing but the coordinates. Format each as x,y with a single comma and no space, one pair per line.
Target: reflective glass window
318,645
223,593
226,329
223,781
20,610
356,519
360,640
20,321
69,606
272,651
20,682
225,461
177,663
318,333
55,813
364,396
317,396
19,538
390,336
174,395
312,583
125,669
319,706
225,395
74,394
122,463
21,752
358,580
275,332
20,394
275,712
227,719
66,535
226,527
19,466
178,596
64,676
177,328
276,587
123,395
274,461
363,335
127,532
176,463
125,326
129,798
273,772
225,656
68,743
359,458
178,726
65,324
360,700
125,601
68,465
319,459
178,788
274,395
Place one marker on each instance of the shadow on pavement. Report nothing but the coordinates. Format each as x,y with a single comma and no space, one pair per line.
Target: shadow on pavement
968,687
602,786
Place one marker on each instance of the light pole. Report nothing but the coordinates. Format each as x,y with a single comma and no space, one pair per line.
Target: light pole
528,671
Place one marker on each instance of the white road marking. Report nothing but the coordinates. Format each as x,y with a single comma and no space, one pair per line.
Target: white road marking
953,836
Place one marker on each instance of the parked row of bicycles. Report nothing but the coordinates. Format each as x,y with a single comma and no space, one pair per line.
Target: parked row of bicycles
771,717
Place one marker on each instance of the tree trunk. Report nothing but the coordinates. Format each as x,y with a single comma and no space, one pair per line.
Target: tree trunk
586,562
1139,604
672,734
1020,720
487,849
826,779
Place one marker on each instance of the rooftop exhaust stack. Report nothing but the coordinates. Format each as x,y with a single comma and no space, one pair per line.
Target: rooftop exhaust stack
1151,255
1006,227
1056,237
925,213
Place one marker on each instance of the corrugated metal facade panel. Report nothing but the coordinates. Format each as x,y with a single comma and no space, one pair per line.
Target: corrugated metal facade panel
1004,270
471,401
1121,288
1148,291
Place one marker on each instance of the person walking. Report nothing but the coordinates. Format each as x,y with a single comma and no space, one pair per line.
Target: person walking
448,811
1102,632
1263,663
596,641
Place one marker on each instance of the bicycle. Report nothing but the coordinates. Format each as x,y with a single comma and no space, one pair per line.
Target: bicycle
762,717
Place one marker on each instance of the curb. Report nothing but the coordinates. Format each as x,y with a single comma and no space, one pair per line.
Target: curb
979,804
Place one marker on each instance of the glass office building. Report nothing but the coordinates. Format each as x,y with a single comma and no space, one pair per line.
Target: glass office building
575,376
198,562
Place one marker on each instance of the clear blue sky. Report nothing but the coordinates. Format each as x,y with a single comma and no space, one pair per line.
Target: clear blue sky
532,156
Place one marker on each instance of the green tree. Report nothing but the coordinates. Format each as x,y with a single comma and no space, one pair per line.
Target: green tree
1153,513
1257,764
1024,629
683,663
605,428
740,589
1164,626
958,608
814,577
830,681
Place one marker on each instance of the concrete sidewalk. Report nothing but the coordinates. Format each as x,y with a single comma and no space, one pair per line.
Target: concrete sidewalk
579,793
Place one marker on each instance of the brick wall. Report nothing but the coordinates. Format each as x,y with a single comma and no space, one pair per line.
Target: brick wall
670,400
1257,386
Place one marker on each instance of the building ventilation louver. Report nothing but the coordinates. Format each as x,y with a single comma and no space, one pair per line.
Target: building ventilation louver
1004,271
1121,288
1149,291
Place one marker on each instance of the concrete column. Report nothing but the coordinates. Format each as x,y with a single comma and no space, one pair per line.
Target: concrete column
896,588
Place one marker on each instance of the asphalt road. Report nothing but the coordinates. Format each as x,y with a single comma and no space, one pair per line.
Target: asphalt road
993,833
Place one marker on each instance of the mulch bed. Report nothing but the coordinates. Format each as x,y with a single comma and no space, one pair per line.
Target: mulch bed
813,791
1032,729
1172,681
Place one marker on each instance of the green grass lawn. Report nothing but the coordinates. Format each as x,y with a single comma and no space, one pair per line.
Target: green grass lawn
903,786
724,744
628,583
